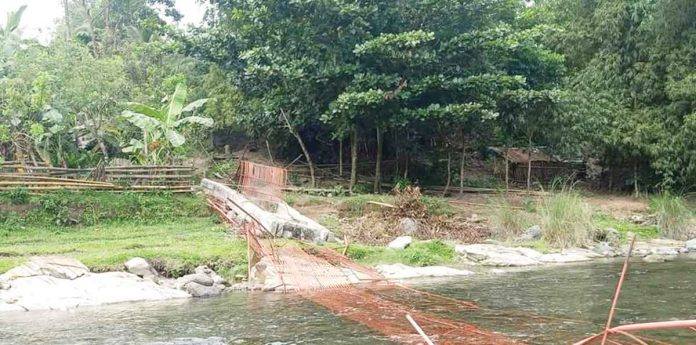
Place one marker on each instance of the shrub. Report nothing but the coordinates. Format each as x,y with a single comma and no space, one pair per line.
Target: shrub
566,219
17,196
673,217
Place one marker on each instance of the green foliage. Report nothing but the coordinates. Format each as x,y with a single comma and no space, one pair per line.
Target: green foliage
18,196
426,253
175,246
92,208
508,221
227,168
603,221
566,219
674,218
160,127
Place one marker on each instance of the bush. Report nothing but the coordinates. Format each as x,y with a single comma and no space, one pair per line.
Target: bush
18,196
674,219
566,219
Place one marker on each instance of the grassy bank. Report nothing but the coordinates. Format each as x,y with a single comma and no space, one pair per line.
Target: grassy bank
175,247
103,230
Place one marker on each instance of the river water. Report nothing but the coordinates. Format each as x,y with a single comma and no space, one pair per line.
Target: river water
573,300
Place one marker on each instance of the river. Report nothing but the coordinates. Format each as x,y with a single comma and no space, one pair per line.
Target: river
573,299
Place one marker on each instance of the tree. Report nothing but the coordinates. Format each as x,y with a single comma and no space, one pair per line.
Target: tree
160,127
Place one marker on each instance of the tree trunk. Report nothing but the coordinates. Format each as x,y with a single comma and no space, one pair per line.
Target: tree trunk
67,20
449,174
636,190
92,30
507,172
461,169
340,158
297,136
406,164
529,164
268,148
378,163
353,159
309,158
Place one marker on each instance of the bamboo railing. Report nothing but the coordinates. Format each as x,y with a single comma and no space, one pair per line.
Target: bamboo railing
138,178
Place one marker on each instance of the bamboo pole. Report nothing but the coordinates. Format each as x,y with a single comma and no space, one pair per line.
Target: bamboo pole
419,330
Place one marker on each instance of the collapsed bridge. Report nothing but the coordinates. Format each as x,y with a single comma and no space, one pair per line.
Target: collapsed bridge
322,275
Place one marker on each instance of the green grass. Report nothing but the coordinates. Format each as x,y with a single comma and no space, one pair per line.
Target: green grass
566,219
424,253
603,221
175,247
674,218
19,209
508,221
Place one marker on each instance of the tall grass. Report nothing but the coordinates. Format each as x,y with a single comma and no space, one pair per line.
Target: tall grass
674,219
508,221
566,219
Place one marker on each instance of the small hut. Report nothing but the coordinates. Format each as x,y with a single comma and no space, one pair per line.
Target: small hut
545,167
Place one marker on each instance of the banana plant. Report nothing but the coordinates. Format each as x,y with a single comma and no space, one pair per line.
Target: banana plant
161,127
9,36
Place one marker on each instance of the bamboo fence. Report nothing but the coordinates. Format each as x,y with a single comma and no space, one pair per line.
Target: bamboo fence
39,178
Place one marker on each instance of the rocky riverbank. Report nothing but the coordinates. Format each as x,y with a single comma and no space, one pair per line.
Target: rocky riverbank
499,255
59,283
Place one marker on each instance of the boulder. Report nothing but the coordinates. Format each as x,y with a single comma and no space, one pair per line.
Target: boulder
46,292
400,242
658,258
217,279
691,244
401,271
407,226
604,249
201,279
199,290
496,255
54,266
664,251
564,258
584,252
532,233
141,268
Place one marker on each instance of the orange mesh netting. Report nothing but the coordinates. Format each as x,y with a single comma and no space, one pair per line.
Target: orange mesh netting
262,184
348,289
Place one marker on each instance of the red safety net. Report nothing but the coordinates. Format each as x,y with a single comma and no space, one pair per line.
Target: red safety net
350,290
262,184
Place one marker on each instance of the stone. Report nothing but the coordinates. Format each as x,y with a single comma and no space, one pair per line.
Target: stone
201,279
691,244
407,226
497,255
46,292
474,218
400,242
199,290
658,258
141,268
612,235
584,252
54,266
637,219
217,279
664,251
604,249
401,271
532,233
564,258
